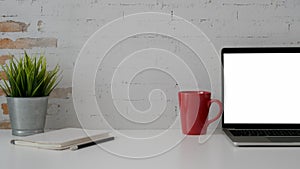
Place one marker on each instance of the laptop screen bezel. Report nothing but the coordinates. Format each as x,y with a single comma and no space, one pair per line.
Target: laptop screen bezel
256,50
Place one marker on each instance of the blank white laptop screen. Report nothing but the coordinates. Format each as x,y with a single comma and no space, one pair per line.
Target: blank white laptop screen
262,88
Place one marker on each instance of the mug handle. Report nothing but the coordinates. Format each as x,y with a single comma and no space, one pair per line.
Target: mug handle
219,103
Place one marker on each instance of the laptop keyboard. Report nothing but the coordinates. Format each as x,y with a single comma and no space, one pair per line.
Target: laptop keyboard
269,132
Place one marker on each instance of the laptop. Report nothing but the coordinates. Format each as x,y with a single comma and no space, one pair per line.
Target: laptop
261,95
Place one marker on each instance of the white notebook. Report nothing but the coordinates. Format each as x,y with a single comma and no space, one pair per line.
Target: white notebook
68,138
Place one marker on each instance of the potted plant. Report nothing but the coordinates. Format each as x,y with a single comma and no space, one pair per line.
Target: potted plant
27,88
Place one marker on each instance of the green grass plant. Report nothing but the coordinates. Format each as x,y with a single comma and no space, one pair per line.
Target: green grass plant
29,77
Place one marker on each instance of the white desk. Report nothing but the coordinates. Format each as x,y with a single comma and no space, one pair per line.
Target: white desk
217,153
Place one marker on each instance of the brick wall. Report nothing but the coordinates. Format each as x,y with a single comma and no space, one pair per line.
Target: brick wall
23,42
60,28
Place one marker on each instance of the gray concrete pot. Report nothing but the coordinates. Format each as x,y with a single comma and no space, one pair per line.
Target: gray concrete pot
27,114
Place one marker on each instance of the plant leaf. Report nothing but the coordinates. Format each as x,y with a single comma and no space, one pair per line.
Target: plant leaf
28,77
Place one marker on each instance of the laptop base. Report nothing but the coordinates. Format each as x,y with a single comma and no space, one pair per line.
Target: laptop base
262,141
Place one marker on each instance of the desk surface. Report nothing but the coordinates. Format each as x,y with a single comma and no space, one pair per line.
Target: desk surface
216,153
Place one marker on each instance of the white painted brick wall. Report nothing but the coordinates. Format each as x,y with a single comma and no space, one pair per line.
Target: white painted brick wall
226,23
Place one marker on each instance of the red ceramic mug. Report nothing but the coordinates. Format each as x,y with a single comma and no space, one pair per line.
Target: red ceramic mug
194,108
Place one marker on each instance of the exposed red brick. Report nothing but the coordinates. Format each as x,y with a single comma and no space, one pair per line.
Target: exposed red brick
4,108
27,43
6,43
3,75
62,93
2,93
5,125
4,58
13,26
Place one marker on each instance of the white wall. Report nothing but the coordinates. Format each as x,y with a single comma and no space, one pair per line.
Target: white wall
72,22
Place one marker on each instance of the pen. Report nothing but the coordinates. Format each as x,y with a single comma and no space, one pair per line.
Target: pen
80,146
